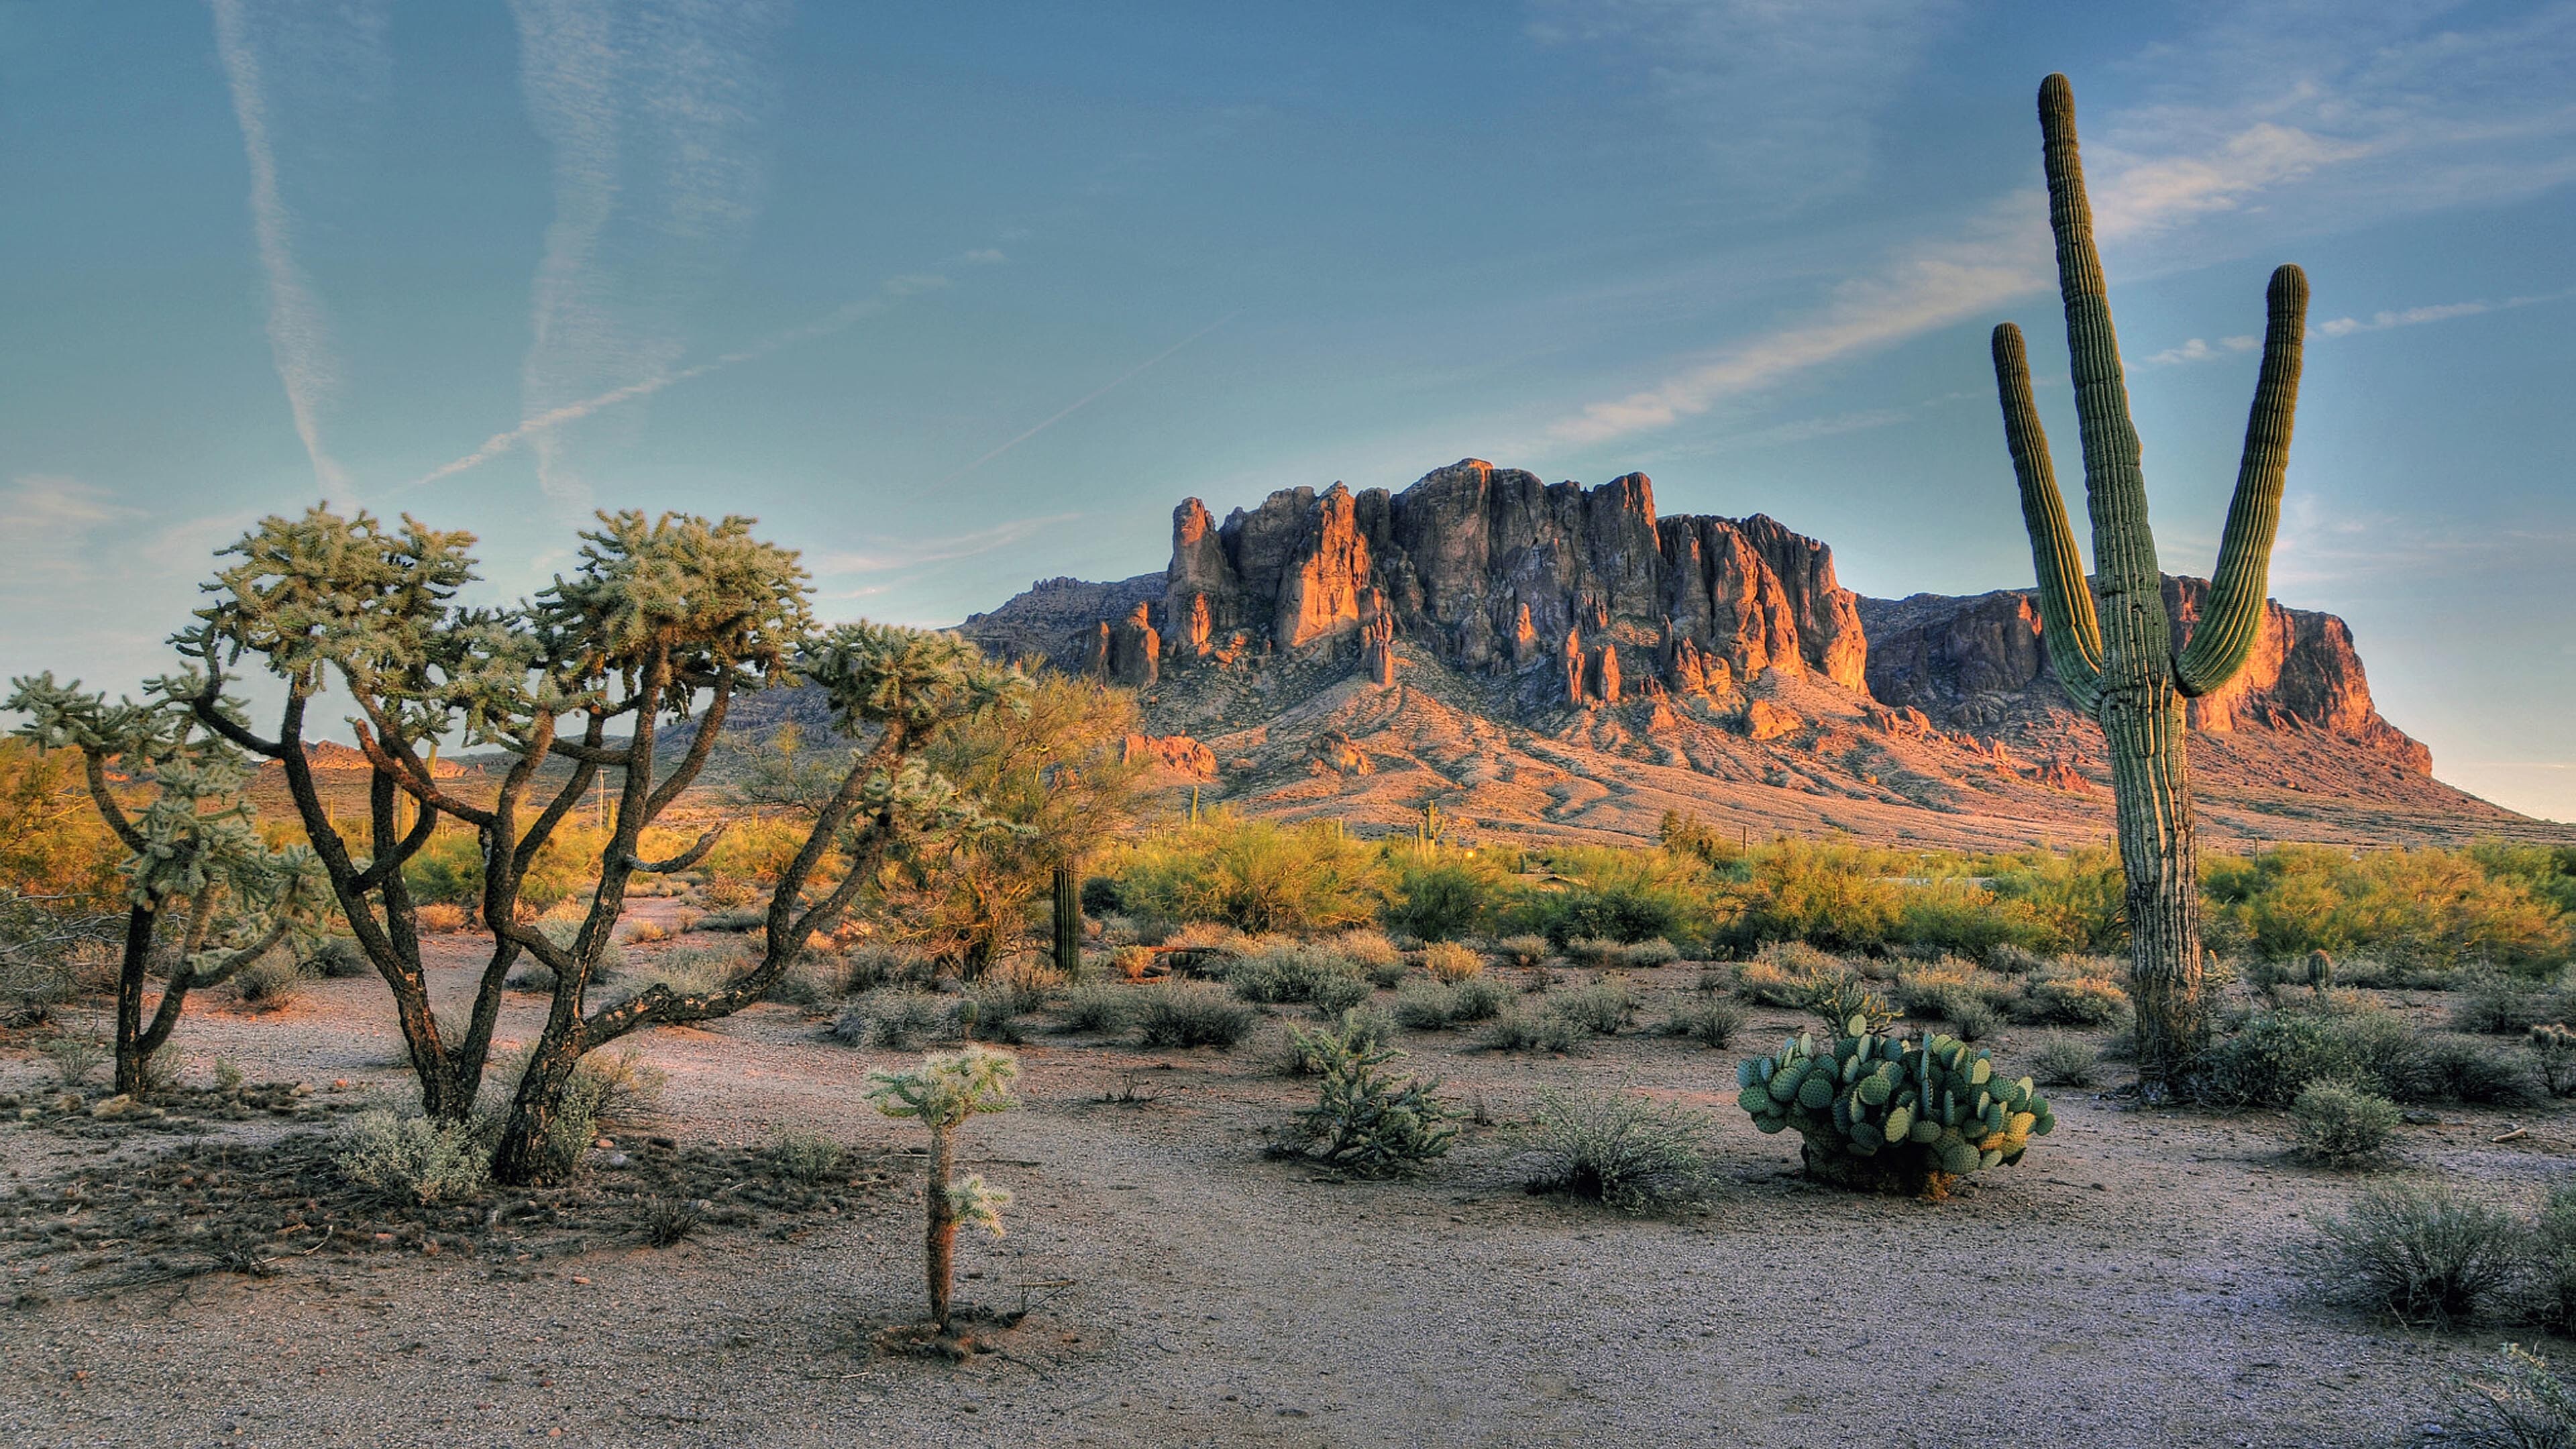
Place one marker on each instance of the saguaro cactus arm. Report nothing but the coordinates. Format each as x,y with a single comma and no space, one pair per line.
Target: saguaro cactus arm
2225,633
2067,625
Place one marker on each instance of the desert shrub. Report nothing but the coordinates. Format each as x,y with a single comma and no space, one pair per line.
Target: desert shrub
1289,974
1364,1029
2551,1297
668,1221
1619,1148
1340,994
869,967
987,1013
1258,875
1100,1007
1187,1014
1883,1113
1711,1021
2427,909
33,986
1604,1008
2065,1061
1931,991
2273,1057
2516,1403
892,1020
2420,1255
271,983
1448,961
1370,952
1652,953
2014,961
1837,1002
1526,949
75,1057
2479,1072
2553,1051
1536,1031
805,984
1433,1006
1714,979
414,1158
1597,951
807,1156
1966,916
2075,1000
339,959
2336,1124
1367,1122
1442,895
1617,895
1974,1020
732,921
1476,999
2496,1004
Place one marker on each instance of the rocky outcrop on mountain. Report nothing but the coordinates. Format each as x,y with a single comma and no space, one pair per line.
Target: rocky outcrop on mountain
1977,663
1551,660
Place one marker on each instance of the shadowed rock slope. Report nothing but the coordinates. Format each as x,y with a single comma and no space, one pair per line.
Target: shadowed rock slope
1549,660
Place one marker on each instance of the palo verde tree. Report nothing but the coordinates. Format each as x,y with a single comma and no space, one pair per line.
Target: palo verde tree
2111,644
202,890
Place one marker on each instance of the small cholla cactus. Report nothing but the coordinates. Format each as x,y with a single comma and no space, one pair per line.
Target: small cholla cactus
945,1090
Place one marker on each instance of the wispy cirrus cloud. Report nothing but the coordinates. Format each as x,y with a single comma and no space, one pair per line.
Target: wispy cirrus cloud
2382,321
2199,350
2406,110
349,41
651,114
888,555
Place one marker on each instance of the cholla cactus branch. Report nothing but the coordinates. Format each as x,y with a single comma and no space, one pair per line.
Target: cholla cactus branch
944,1092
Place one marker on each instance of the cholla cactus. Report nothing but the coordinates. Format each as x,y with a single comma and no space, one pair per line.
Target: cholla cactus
2117,662
944,1091
195,853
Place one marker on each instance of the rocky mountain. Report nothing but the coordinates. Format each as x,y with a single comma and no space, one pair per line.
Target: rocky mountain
1560,660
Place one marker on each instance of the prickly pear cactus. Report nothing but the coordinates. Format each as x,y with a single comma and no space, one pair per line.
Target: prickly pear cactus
1888,1114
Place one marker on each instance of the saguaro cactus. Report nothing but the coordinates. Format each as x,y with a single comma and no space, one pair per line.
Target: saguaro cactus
2116,658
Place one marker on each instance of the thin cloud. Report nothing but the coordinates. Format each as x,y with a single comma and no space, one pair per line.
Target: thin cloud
2443,312
649,114
299,333
542,426
2199,350
1087,399
2165,178
893,555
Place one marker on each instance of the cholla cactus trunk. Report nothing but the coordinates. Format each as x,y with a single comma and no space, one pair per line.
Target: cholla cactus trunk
131,1055
1068,920
939,1245
2110,643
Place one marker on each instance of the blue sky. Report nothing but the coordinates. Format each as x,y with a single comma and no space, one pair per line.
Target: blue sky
952,297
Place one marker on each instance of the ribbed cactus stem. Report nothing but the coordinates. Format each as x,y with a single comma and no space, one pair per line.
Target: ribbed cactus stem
2225,634
2112,646
2067,625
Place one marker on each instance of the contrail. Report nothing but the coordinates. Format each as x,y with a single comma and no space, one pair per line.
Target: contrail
572,412
298,337
1089,398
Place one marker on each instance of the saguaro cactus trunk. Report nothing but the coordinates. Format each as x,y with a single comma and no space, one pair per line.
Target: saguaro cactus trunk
2116,658
1068,920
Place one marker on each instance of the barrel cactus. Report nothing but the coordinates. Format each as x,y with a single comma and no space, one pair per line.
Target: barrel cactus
1885,1113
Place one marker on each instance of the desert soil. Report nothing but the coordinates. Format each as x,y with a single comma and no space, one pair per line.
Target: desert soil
2126,1284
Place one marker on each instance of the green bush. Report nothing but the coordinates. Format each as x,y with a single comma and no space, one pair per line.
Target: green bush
1712,1021
1604,1008
1536,1031
1622,1149
1526,949
1442,895
1291,975
2552,1294
424,1162
804,1156
2496,1004
893,1020
2065,1061
1308,1052
2419,1255
2428,909
1431,1006
1367,1122
1188,1014
1878,1112
2517,1403
2335,1124
1257,875
2075,1000
1098,1007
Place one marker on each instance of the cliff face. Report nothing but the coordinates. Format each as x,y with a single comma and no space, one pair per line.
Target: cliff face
1493,572
1978,664
1558,660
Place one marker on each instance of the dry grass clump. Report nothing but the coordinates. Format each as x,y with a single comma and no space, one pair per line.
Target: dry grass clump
440,918
1710,1020
2336,1124
1449,962
2515,1403
274,982
1536,1031
415,1159
1188,1014
1371,952
1432,1006
341,959
1102,1007
1604,1008
1294,975
2423,1256
1618,1148
1527,949
2065,1061
893,1020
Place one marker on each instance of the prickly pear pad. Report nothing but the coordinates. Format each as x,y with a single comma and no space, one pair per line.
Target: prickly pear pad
1888,1113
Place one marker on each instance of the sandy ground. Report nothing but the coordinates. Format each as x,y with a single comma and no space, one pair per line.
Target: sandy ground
2125,1285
